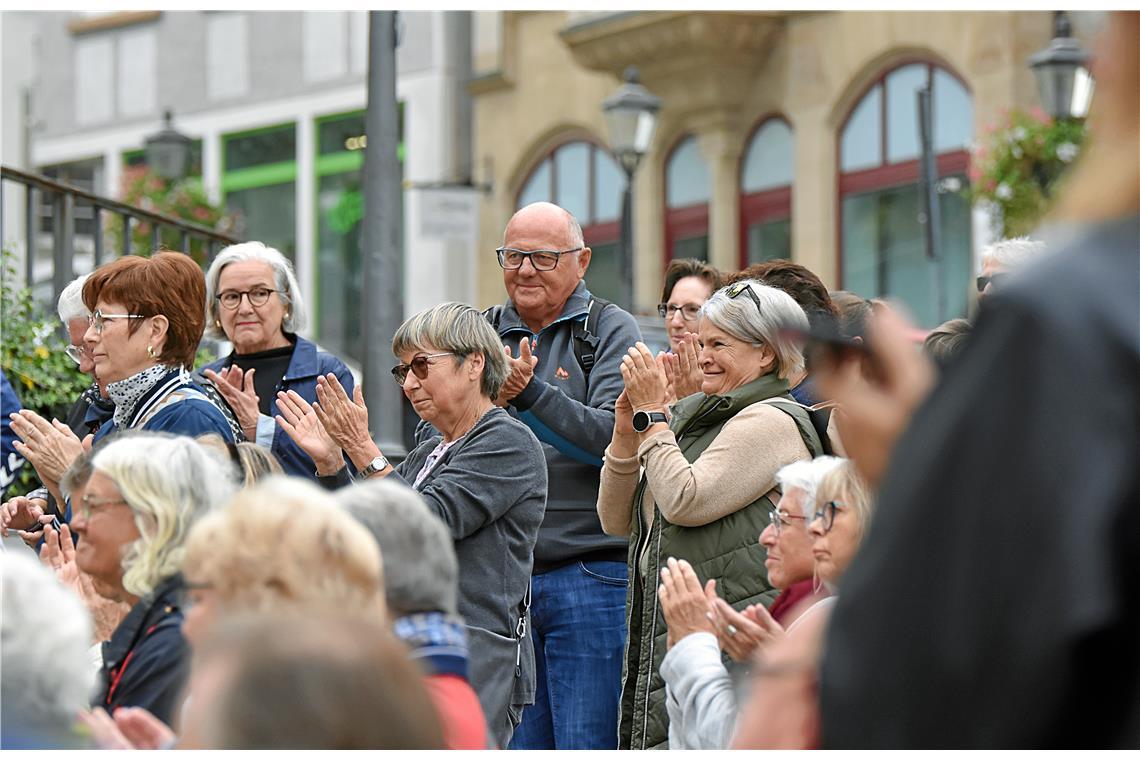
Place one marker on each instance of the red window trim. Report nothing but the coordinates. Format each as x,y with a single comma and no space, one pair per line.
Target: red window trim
762,206
591,199
887,175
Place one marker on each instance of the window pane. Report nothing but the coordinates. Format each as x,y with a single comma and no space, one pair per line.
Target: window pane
537,188
573,177
267,214
692,248
770,240
268,147
884,254
333,133
609,183
902,112
953,113
603,278
687,178
768,163
340,208
861,146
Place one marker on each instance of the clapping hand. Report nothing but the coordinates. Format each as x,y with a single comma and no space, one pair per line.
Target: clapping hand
740,634
58,553
684,367
237,389
522,370
300,422
130,728
345,419
645,380
683,603
51,447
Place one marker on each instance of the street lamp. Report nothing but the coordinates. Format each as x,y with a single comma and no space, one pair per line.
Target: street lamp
1063,77
631,119
168,152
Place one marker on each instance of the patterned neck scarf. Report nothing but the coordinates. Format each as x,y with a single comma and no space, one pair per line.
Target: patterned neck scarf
127,393
436,640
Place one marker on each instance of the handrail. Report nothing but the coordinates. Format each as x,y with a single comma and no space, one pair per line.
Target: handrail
44,183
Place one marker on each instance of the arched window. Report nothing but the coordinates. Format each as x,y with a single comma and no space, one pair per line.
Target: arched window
766,193
687,193
882,249
584,179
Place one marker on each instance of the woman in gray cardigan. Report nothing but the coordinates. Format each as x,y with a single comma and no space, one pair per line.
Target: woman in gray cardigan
480,470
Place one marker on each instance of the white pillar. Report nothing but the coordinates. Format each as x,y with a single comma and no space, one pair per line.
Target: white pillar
305,194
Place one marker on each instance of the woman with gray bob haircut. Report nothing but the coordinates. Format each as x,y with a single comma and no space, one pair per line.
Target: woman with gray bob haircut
252,300
755,313
478,469
145,492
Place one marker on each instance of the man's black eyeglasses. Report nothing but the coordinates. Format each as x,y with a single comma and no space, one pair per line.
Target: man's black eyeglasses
543,261
744,287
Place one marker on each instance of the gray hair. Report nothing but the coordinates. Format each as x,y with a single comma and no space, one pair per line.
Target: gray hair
296,317
459,329
70,305
806,475
740,318
45,633
77,474
421,573
169,482
1013,252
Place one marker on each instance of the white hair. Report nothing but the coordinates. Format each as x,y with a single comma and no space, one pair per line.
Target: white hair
1012,253
806,476
421,573
169,482
296,317
741,318
45,635
70,305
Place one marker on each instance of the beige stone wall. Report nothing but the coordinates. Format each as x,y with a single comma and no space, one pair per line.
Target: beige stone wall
815,68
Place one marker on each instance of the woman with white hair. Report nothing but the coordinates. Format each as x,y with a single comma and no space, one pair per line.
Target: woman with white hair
699,484
253,300
145,492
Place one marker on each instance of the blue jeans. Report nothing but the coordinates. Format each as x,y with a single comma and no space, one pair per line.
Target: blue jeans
578,624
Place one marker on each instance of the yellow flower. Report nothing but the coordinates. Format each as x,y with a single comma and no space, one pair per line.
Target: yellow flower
42,353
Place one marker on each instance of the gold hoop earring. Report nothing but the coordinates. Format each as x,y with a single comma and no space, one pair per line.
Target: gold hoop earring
150,352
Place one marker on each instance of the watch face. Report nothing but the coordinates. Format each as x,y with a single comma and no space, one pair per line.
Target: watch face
640,421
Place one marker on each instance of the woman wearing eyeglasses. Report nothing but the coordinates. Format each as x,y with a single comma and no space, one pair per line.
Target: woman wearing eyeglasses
146,321
253,301
688,284
695,481
478,469
783,712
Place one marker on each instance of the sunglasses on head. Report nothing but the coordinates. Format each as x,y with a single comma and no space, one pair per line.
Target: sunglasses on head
995,279
734,290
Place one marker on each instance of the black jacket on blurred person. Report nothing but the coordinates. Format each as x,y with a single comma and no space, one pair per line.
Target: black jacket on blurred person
996,599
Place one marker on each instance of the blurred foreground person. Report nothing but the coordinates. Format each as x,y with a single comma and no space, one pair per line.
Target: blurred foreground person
324,678
997,600
1001,258
420,585
43,656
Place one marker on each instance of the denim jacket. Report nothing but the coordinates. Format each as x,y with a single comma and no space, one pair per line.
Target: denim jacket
308,362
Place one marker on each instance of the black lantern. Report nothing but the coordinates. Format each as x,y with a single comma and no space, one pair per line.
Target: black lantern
168,152
631,118
1063,77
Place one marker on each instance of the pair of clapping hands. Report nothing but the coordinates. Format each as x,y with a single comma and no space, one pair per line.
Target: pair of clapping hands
688,608
50,447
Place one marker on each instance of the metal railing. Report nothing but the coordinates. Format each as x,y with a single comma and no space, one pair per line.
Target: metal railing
63,225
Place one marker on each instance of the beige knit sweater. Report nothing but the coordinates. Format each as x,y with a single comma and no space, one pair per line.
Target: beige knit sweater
737,468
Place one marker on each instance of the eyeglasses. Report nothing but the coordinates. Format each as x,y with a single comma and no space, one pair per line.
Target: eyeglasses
779,518
257,297
689,311
744,287
98,320
87,506
543,261
995,279
419,366
76,353
826,514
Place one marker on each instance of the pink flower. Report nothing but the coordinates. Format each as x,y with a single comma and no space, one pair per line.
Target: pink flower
990,185
1037,112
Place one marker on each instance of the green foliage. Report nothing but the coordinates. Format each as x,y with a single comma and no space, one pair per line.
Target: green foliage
32,355
1018,166
185,199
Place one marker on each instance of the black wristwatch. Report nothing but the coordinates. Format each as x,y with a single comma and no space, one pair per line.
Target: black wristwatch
643,420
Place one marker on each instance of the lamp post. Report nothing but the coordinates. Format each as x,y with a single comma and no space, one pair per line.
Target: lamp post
631,118
168,152
1063,78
